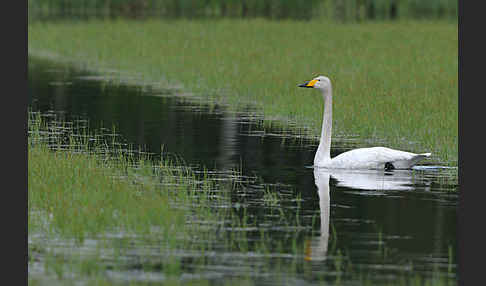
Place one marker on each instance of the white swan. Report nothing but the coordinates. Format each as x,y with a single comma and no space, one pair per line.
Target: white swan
361,158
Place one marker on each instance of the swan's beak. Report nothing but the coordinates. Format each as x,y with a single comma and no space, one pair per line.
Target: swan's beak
308,84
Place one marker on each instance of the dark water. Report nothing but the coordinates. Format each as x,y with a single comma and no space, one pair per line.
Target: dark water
407,216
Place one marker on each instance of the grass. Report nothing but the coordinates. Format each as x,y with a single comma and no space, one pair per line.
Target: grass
95,206
392,81
83,185
270,196
93,203
86,189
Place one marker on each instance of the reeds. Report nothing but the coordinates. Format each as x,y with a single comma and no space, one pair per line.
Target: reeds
338,10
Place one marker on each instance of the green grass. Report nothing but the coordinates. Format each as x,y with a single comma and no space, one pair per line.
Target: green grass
392,81
84,185
84,196
88,189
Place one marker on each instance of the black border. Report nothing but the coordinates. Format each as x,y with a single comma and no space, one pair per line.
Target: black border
21,168
470,252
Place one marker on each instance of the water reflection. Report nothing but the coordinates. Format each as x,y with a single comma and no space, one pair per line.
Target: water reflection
368,180
317,248
397,180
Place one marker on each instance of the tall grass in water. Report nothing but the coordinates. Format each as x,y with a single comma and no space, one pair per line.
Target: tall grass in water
82,185
86,185
392,81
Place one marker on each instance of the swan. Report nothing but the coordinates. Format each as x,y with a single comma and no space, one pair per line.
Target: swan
361,158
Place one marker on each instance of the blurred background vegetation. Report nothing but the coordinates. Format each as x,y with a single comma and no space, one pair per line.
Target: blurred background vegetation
334,10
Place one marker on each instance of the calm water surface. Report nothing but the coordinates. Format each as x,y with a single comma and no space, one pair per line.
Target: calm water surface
385,223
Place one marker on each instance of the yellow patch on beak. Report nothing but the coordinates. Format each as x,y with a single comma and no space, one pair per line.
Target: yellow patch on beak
312,82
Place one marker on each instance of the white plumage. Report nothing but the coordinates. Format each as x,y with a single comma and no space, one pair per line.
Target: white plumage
361,158
376,158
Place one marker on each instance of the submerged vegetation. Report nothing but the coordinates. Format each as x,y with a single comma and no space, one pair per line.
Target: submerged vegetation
392,81
93,201
90,185
99,210
105,214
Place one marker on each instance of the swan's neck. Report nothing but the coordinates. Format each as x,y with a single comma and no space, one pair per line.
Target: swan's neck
323,154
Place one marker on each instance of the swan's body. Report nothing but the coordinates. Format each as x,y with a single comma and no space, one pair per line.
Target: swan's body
361,158
373,158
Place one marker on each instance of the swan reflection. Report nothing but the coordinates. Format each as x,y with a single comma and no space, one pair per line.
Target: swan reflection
398,180
316,248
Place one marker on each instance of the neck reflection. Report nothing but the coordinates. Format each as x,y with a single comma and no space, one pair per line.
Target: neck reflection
362,180
316,249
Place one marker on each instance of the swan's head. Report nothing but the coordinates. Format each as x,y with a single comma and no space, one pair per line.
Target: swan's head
320,82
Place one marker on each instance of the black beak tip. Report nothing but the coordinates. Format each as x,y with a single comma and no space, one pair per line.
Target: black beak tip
304,85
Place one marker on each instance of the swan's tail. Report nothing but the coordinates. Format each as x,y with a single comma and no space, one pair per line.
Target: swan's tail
407,164
418,158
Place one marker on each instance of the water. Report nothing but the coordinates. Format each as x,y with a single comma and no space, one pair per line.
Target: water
383,223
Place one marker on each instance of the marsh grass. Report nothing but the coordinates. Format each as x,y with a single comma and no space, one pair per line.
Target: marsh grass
92,201
395,83
87,187
271,196
96,206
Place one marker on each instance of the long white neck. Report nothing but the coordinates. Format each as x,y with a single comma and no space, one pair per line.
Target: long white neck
323,154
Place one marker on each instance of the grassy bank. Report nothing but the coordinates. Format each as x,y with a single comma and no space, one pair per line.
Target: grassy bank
394,81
